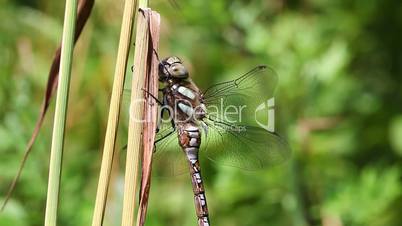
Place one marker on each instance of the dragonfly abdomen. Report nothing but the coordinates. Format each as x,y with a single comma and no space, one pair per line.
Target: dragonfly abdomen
200,200
190,140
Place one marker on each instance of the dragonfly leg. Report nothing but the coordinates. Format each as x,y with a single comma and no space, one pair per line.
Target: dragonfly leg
168,134
161,114
157,55
153,97
160,119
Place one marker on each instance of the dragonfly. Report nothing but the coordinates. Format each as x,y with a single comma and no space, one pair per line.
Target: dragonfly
214,123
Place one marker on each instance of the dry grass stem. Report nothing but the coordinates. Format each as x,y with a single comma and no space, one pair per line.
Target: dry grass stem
114,110
135,128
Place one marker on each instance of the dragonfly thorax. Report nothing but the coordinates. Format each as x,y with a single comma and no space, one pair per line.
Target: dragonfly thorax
184,98
180,93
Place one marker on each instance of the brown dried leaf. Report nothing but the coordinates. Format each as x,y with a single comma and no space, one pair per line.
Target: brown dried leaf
150,115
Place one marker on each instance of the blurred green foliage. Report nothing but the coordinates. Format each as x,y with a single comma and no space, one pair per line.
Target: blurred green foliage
339,104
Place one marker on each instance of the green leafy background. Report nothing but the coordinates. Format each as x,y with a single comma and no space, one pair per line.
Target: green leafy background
338,103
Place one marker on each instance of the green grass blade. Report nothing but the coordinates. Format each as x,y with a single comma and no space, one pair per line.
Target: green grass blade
60,113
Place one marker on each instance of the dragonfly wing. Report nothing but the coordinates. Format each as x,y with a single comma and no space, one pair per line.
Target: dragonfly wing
236,109
168,159
242,99
259,79
241,146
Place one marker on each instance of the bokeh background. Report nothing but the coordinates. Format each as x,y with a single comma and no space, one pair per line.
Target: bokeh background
338,103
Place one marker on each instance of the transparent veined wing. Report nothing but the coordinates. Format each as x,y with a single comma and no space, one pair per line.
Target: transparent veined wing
259,80
243,146
240,122
168,159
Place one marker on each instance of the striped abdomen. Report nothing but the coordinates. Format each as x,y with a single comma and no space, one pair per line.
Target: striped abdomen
190,140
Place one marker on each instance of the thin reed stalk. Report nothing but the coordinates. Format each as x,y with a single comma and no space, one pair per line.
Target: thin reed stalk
114,110
136,115
60,113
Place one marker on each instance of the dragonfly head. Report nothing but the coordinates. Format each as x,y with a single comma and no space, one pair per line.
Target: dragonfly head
172,67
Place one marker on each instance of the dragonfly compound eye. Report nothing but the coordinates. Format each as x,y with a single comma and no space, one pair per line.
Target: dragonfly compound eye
178,70
172,67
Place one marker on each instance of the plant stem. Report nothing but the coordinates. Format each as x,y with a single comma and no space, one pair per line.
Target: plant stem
114,110
60,113
136,116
